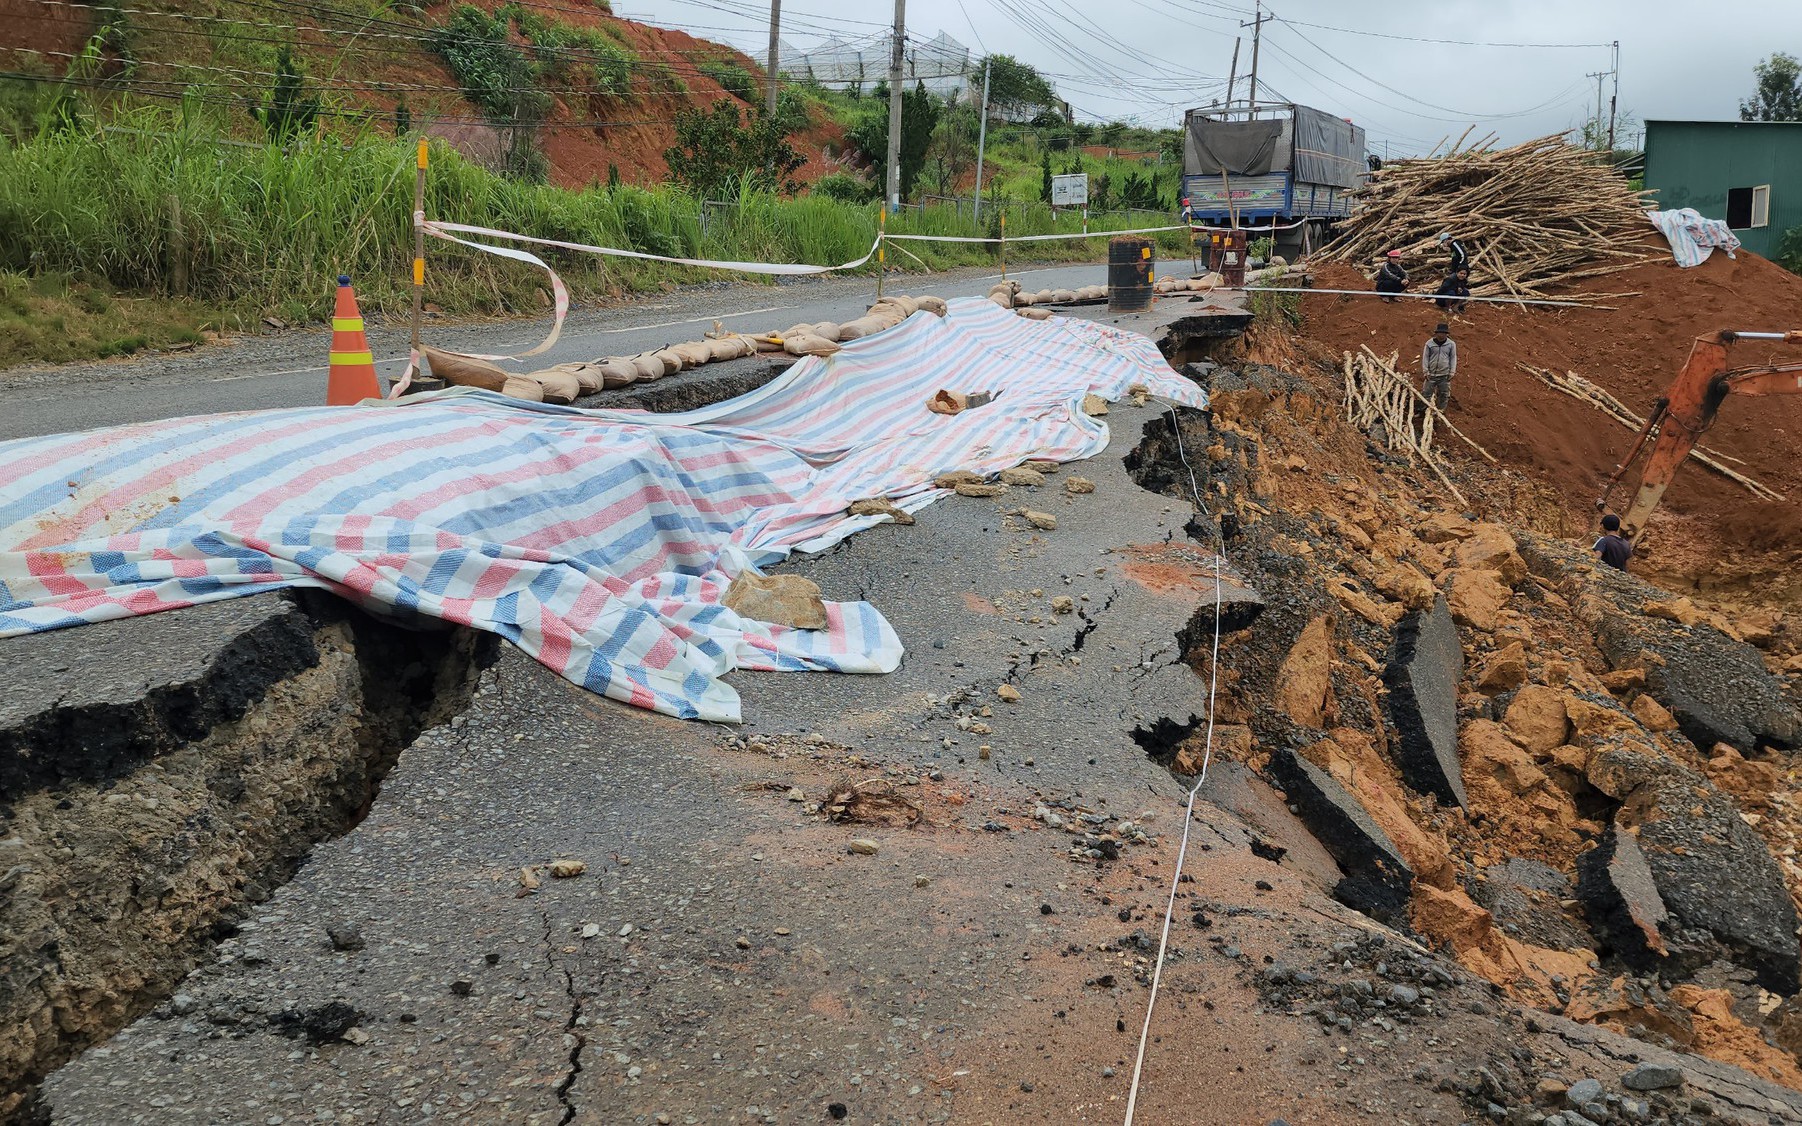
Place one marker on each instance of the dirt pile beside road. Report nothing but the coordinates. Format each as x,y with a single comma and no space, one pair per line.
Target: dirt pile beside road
1633,351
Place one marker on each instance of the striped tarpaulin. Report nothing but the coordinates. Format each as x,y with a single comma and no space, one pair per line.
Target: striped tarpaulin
600,542
1692,237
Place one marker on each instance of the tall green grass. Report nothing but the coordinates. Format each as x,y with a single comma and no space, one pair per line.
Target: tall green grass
262,228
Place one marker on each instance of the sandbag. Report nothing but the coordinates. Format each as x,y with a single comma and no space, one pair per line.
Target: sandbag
1063,296
672,363
1002,299
1025,300
797,330
617,373
1036,314
933,305
907,305
947,402
1044,297
588,375
730,348
827,330
766,342
519,387
649,367
558,386
466,371
807,344
693,353
862,327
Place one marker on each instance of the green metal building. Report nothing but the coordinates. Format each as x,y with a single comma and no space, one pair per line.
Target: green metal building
1746,172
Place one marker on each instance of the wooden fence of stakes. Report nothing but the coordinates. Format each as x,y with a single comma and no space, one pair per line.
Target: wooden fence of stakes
1376,393
1535,216
1574,385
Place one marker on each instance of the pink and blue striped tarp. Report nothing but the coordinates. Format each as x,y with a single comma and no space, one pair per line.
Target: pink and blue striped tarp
599,541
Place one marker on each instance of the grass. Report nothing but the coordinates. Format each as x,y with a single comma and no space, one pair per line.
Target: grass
53,318
264,229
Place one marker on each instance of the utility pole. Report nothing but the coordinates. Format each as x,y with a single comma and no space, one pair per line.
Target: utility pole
1257,29
769,105
982,140
1614,97
894,105
1598,75
1232,74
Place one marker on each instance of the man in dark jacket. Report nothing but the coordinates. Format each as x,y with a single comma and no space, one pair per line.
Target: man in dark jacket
1454,286
1460,260
1392,278
1613,548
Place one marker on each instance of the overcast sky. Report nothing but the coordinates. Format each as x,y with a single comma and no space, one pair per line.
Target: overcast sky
1147,60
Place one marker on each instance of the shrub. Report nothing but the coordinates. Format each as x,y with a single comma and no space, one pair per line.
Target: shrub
845,188
734,79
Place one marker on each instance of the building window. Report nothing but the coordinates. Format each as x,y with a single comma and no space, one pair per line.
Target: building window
1749,207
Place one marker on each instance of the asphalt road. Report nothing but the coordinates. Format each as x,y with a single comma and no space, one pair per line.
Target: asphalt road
288,370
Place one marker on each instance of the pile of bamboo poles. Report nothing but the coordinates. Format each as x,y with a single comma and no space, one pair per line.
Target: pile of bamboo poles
1574,385
1384,404
1539,215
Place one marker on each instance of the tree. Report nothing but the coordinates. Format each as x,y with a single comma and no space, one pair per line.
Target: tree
1140,192
1779,93
288,113
716,151
1016,90
919,117
1045,176
952,152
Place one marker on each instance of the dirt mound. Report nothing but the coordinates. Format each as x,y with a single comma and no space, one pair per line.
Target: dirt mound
1634,351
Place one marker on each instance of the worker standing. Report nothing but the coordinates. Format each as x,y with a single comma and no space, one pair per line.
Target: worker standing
1460,260
1613,548
1392,278
1439,363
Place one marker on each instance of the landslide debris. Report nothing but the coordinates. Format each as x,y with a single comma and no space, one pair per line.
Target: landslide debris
1506,755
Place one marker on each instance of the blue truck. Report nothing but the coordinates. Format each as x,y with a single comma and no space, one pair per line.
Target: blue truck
1288,167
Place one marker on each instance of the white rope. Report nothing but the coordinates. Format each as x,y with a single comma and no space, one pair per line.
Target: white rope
1182,851
1037,238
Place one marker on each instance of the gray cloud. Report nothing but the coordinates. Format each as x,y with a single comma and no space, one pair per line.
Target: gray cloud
1147,60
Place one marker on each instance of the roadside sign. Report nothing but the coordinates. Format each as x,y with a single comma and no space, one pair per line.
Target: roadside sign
1071,190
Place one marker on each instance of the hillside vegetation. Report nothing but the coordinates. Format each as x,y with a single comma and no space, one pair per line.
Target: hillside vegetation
167,171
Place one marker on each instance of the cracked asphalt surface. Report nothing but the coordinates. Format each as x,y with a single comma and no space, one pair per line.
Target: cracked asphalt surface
728,957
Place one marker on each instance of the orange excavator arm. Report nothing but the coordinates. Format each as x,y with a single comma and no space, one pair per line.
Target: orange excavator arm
1688,408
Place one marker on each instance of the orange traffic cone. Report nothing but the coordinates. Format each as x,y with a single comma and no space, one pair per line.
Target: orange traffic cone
352,372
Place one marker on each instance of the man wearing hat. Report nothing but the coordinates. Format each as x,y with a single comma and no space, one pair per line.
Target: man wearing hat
1392,278
1439,362
1460,260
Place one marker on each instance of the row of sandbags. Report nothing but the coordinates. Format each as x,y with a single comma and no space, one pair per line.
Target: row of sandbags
1010,295
564,383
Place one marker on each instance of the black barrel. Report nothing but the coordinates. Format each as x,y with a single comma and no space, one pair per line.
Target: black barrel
1129,267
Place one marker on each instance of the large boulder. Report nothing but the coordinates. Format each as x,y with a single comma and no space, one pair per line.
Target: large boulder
1491,548
1304,681
1476,597
1424,671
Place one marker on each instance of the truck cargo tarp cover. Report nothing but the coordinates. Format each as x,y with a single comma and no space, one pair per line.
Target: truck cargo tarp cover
1239,148
1328,149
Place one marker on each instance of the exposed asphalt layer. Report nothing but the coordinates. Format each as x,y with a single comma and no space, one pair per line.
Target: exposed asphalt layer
288,369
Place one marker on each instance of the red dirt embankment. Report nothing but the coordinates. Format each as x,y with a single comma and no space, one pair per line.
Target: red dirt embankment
1709,529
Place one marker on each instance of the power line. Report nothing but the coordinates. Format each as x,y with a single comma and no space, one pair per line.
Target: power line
1424,39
